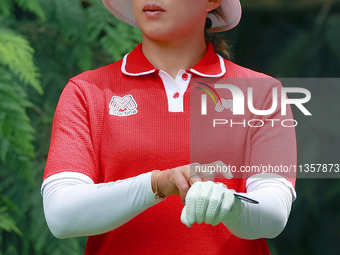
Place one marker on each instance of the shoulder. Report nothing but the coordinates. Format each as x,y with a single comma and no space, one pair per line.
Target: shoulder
236,71
100,77
263,85
245,78
89,86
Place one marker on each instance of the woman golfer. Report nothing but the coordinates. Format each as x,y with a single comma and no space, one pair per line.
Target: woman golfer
120,145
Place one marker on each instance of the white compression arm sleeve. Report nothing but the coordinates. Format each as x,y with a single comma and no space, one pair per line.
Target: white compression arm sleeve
266,219
74,206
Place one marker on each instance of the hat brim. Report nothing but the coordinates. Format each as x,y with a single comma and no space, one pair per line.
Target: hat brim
122,9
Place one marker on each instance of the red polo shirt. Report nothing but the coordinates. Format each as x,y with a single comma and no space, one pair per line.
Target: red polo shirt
128,118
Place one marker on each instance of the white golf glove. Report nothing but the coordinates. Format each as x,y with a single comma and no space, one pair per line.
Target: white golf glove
207,202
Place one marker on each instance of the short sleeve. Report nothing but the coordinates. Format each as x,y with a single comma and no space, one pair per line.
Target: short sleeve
71,147
272,147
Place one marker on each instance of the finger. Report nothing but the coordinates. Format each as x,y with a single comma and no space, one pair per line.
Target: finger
202,200
183,186
208,179
214,205
180,182
206,172
225,170
222,168
227,202
190,203
184,217
194,176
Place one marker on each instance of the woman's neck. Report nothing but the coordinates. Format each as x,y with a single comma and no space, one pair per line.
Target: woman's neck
174,56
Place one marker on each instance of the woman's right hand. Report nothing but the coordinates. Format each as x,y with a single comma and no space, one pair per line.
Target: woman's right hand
175,181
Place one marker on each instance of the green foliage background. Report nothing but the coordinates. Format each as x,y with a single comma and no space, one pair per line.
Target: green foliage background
43,43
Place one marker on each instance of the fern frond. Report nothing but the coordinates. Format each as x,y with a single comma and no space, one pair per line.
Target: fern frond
17,54
119,38
83,54
13,104
73,25
7,223
99,18
7,208
72,20
32,6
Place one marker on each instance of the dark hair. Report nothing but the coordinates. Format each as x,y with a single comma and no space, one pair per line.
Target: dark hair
220,45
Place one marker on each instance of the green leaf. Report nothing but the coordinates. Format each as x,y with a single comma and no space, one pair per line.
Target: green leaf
17,54
118,38
7,223
32,6
121,40
83,54
99,18
72,19
16,132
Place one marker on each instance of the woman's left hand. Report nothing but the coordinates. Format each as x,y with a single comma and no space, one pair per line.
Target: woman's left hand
207,202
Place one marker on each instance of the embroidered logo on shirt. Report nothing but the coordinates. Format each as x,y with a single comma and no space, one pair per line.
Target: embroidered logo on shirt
125,106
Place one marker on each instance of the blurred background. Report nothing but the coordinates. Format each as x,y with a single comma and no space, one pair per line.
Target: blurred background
43,43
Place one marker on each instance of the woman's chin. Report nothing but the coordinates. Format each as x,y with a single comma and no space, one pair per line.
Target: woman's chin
159,35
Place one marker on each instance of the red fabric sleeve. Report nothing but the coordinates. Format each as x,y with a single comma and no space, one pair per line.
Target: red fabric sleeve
71,148
273,145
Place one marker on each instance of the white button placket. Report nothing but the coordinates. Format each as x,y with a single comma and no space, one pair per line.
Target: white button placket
175,89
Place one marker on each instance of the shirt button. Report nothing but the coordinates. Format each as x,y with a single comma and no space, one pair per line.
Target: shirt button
185,77
176,95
